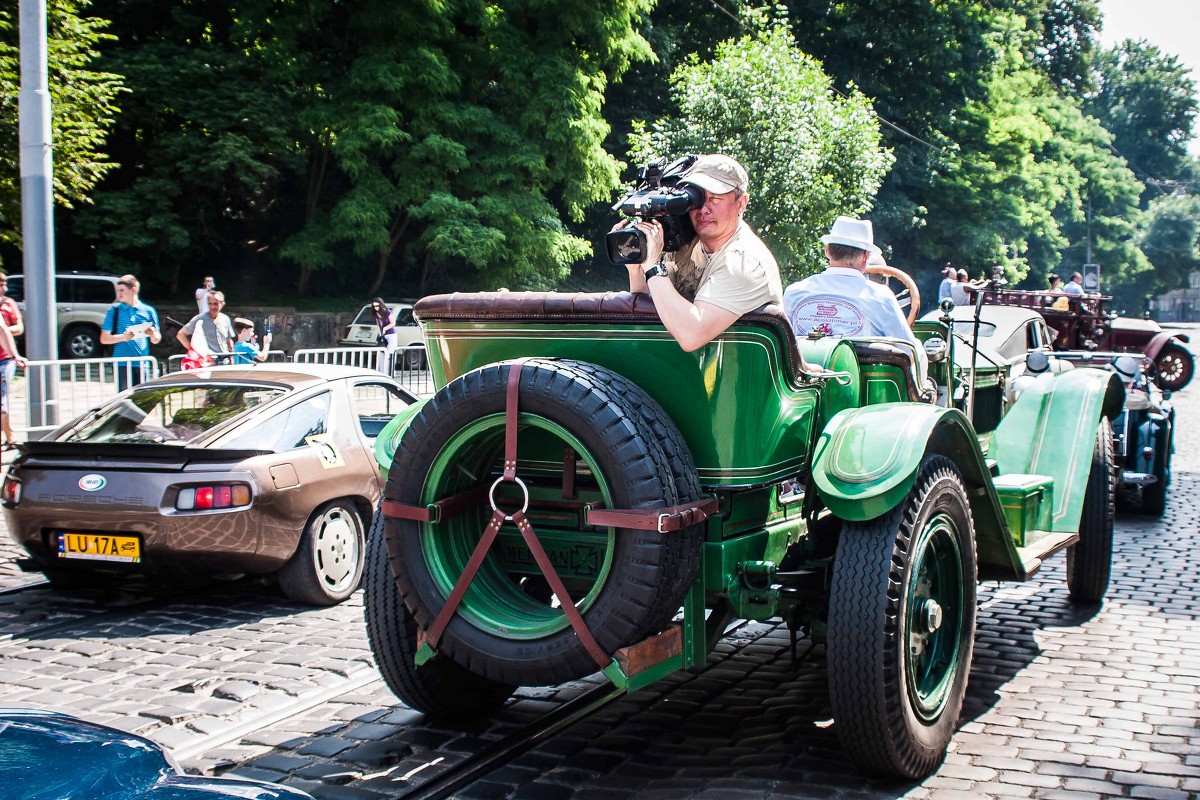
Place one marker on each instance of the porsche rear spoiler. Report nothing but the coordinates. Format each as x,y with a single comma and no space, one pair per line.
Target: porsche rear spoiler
145,453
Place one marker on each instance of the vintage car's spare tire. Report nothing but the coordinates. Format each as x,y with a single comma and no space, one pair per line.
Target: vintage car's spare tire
1175,367
902,626
1089,561
628,455
439,687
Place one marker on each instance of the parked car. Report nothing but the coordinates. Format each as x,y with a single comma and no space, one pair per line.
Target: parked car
47,755
82,300
363,332
1144,432
1089,323
579,477
256,470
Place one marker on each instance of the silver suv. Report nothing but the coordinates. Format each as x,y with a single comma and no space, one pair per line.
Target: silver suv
83,300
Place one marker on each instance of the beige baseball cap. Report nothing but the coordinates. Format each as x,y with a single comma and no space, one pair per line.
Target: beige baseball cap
718,174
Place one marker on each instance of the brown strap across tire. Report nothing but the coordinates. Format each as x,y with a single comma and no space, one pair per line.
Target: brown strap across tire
441,510
663,520
565,602
464,580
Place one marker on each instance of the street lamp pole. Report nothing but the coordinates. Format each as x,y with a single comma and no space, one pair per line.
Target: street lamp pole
37,210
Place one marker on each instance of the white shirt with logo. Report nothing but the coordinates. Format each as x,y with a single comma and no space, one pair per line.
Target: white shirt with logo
841,302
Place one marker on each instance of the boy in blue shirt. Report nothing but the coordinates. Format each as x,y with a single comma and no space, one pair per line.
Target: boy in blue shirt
245,351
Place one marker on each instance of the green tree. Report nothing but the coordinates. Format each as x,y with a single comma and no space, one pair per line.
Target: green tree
1147,100
83,106
1171,240
452,136
205,143
811,153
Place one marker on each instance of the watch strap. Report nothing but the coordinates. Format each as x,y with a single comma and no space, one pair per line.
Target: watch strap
657,269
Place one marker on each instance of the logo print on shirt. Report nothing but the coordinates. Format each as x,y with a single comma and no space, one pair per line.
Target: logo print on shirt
829,315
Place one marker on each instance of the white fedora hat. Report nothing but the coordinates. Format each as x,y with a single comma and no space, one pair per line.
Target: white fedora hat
851,232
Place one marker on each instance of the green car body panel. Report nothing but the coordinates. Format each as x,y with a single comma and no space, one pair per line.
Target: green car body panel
1050,431
706,392
865,457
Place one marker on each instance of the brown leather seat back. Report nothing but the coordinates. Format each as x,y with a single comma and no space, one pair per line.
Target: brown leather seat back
587,307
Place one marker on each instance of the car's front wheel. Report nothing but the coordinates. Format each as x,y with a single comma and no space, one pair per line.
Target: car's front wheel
80,341
328,563
902,626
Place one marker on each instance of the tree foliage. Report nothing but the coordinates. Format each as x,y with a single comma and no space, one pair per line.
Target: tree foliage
1147,100
811,153
401,148
440,141
83,107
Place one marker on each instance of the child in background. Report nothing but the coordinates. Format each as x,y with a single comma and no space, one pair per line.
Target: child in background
244,349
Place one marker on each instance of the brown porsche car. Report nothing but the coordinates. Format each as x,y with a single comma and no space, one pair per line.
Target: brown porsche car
248,470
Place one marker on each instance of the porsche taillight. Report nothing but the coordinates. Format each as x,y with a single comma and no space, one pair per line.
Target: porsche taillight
10,494
213,496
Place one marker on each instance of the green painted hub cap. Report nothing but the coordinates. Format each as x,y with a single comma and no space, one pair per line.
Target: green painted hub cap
933,616
496,600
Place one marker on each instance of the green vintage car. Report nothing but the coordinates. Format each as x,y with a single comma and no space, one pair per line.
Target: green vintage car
578,478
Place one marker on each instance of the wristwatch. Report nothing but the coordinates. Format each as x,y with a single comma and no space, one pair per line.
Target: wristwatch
659,268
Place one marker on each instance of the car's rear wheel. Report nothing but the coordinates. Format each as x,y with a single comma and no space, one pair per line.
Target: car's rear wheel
413,358
439,687
1175,367
1089,561
328,563
80,341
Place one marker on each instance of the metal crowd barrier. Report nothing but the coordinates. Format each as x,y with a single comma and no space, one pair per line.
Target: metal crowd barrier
409,365
175,362
69,387
53,392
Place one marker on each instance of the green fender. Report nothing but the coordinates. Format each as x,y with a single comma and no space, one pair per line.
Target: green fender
389,438
1051,430
867,458
867,461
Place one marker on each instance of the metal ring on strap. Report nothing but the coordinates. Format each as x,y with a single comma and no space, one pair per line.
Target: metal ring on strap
518,482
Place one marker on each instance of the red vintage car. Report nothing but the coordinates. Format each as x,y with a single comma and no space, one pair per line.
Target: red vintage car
1087,323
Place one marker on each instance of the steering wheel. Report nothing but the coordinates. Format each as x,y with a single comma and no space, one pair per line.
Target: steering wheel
909,294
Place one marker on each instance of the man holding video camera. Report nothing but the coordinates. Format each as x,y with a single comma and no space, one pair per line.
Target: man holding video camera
724,272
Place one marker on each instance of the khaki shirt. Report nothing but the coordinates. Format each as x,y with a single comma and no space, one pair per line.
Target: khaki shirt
738,278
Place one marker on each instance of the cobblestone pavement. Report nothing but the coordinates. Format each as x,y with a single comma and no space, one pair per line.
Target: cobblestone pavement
1064,702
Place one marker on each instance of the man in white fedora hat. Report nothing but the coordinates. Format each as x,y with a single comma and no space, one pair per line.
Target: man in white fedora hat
725,272
841,301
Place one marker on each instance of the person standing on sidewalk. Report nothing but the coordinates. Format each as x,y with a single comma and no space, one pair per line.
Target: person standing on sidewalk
245,350
130,326
385,337
216,330
12,326
207,287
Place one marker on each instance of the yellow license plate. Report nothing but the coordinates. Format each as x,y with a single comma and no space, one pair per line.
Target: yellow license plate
99,547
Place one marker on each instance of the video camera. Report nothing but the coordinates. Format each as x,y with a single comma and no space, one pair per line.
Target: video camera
657,194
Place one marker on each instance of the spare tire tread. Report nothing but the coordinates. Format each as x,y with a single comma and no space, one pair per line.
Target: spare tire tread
619,424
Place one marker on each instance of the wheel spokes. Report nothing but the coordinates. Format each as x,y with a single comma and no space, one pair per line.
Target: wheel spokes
934,614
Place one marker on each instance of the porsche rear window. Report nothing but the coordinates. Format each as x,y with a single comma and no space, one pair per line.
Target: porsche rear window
168,414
